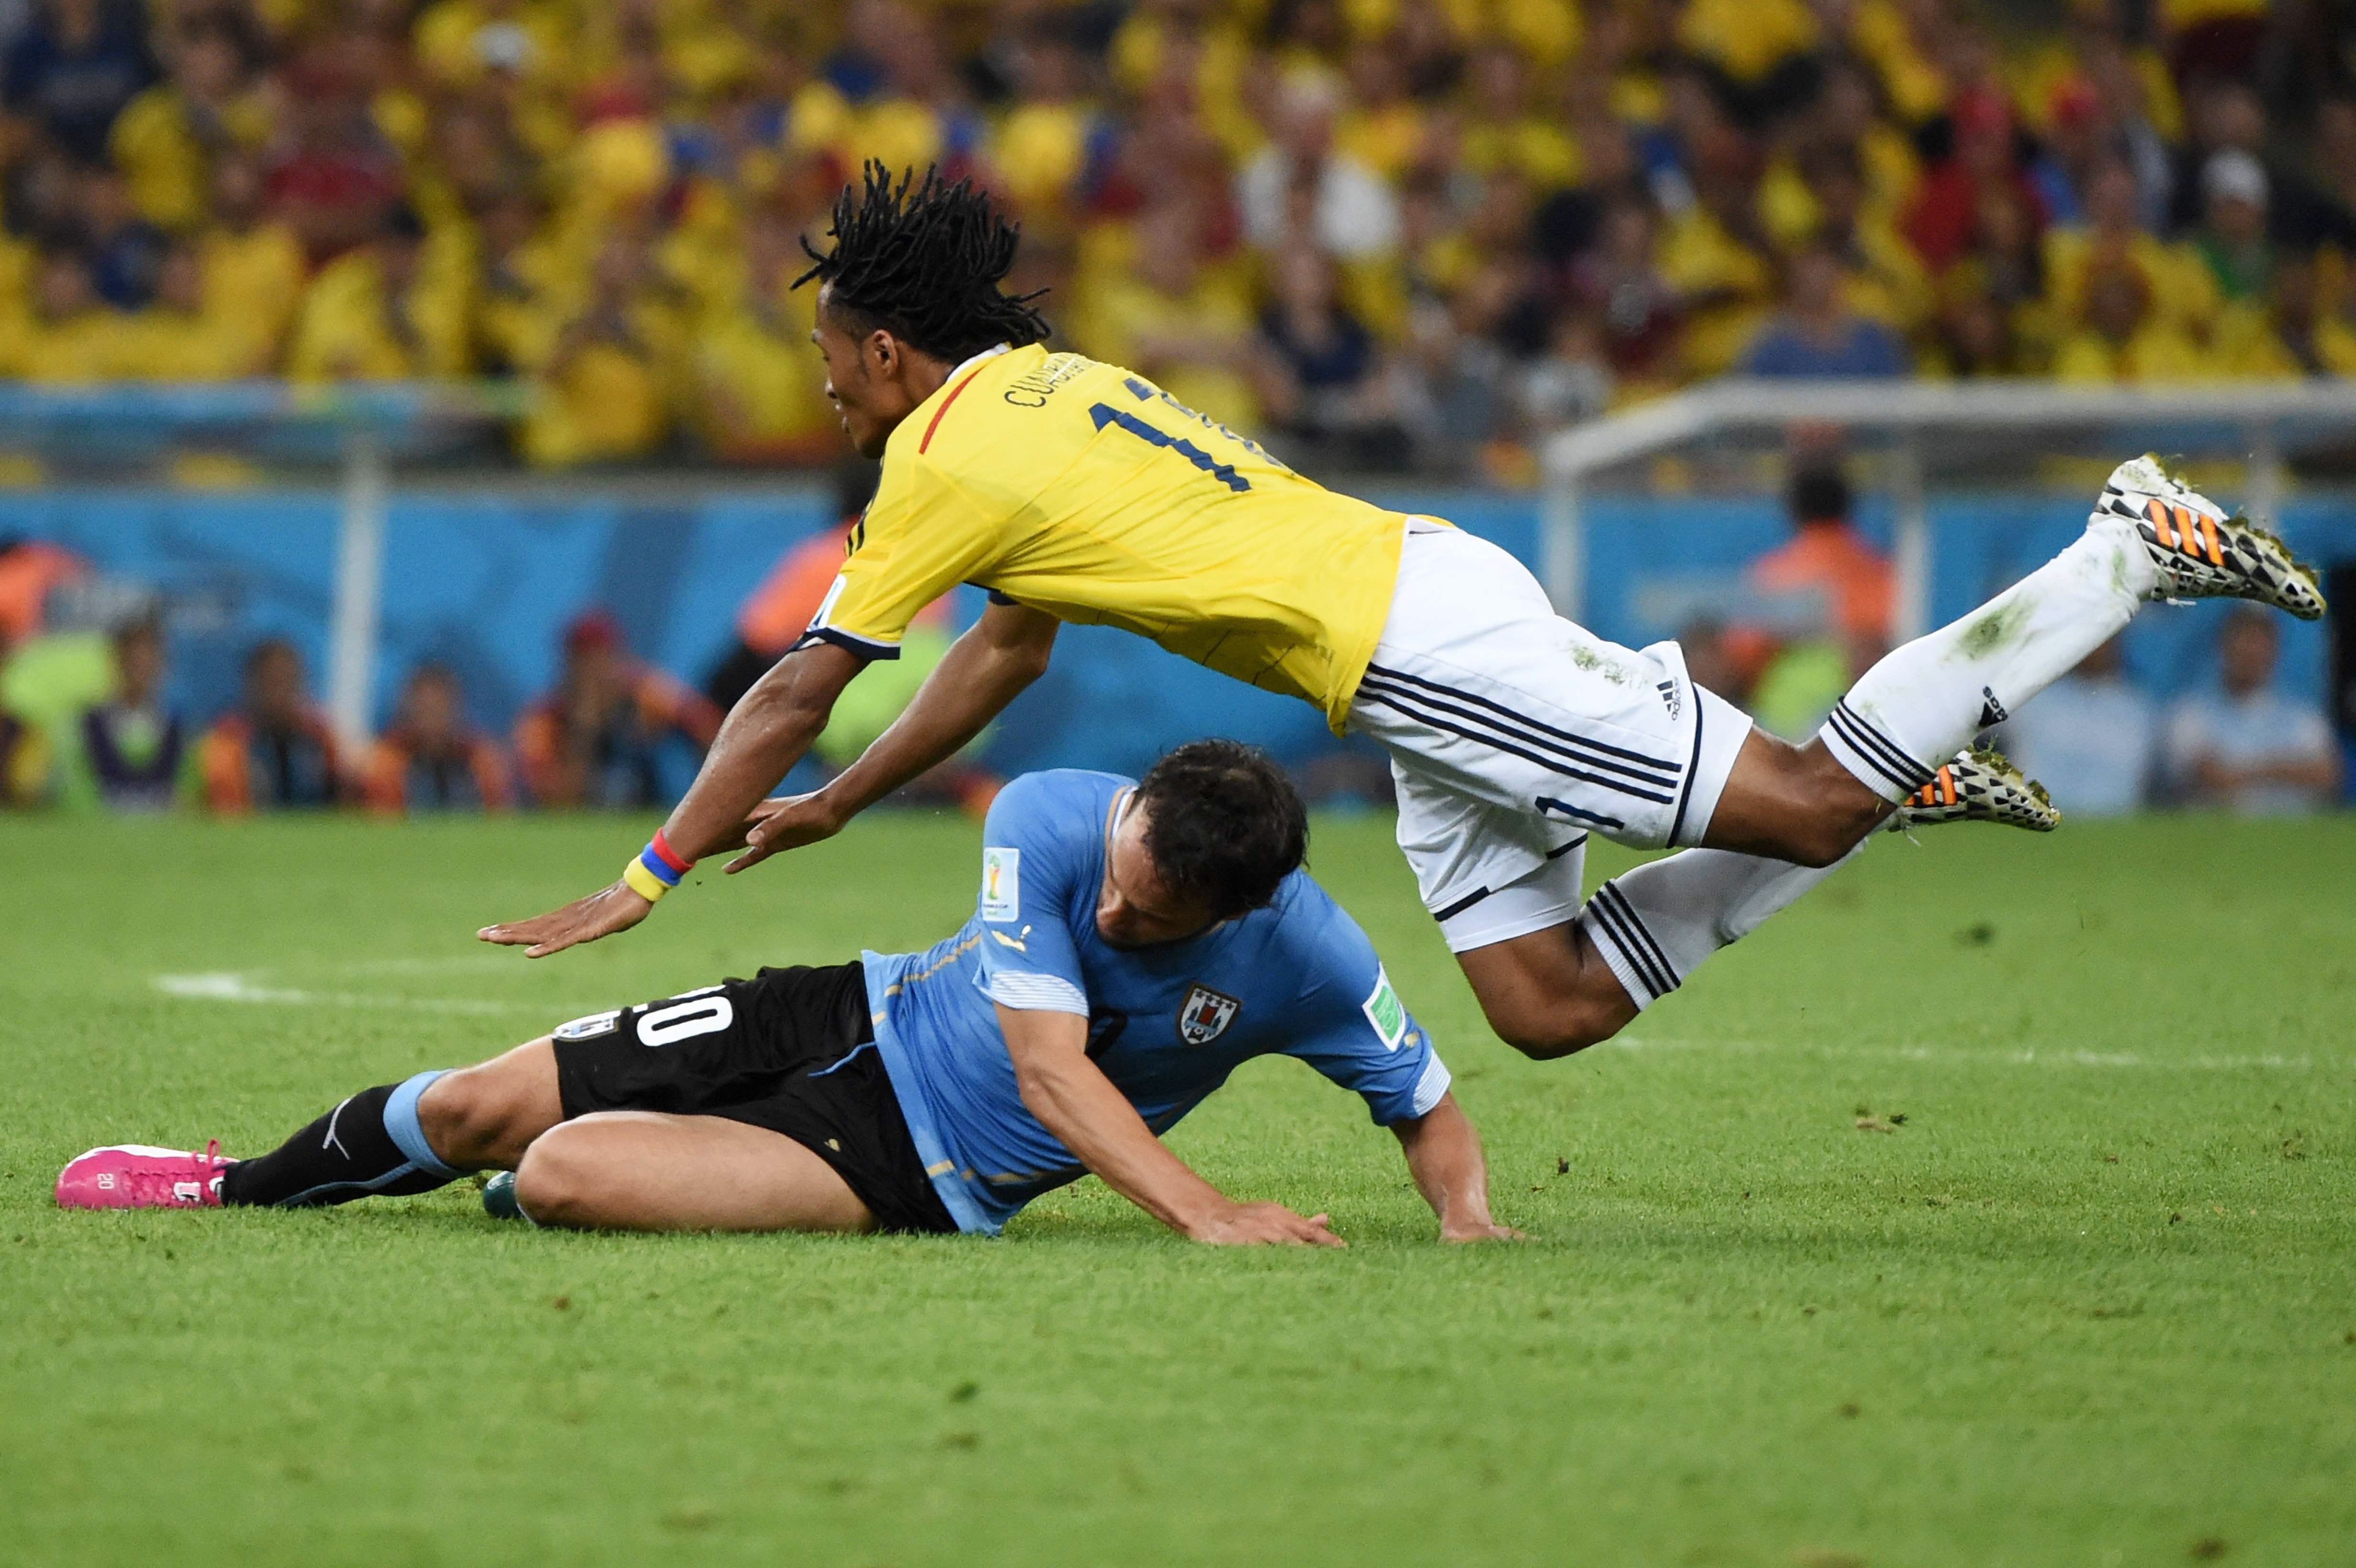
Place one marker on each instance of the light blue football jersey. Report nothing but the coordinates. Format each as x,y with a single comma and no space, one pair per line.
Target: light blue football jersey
1166,1024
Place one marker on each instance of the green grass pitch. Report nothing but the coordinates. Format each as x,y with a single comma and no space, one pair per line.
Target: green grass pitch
2090,1300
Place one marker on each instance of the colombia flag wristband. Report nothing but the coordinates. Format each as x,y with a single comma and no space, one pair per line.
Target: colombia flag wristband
656,870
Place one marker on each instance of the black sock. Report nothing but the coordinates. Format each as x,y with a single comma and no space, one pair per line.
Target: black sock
344,1155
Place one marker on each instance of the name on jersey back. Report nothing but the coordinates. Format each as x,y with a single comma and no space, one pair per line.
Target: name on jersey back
1031,390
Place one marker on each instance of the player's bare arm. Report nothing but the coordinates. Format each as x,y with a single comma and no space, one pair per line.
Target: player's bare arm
763,736
1079,1103
1443,1155
984,670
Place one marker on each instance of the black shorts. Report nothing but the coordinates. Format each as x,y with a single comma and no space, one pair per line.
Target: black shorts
789,1050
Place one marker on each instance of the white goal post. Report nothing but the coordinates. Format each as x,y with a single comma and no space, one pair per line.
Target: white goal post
2258,422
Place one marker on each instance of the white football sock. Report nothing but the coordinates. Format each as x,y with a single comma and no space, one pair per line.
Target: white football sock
1656,925
1923,702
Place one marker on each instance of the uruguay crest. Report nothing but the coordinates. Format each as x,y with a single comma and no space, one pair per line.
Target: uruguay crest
1205,1015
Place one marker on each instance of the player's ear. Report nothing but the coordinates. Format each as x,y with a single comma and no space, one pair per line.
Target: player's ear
880,356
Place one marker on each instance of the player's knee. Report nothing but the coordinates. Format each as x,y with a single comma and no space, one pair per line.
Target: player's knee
471,1118
555,1183
1559,1027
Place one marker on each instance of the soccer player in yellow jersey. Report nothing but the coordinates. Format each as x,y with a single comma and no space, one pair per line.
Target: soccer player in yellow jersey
1077,491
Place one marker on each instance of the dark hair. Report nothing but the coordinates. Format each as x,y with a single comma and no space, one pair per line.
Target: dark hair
925,265
1819,492
1223,824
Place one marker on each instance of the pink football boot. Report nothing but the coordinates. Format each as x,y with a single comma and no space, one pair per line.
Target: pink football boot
137,1176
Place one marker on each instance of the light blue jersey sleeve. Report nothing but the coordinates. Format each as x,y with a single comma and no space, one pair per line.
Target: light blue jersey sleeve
1349,1023
1034,868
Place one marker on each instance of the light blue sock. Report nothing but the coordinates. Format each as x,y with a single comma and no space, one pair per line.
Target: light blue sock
401,1126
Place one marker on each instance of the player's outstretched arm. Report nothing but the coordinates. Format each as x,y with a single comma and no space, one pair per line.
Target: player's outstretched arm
1443,1155
764,735
984,671
1074,1101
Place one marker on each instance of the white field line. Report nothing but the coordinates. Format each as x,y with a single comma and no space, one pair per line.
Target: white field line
2029,1057
234,987
457,964
230,987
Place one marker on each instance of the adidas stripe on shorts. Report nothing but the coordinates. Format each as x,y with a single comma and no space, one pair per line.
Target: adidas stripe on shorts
1514,734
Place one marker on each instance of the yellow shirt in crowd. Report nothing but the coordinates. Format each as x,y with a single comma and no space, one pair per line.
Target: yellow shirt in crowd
763,391
1081,489
156,145
353,327
253,284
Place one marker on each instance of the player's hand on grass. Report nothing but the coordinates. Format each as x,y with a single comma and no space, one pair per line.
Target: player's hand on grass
1483,1230
785,822
1264,1224
602,913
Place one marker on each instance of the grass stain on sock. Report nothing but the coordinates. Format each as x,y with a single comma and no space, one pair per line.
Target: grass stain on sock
1993,630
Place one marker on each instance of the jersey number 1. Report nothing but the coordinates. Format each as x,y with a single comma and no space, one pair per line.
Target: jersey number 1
1224,473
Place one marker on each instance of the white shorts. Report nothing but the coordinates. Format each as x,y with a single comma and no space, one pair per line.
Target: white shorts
1512,734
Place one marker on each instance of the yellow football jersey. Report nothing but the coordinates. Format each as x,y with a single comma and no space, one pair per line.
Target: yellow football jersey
1081,489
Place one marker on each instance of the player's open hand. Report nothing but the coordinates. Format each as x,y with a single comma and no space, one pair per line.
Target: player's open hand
785,822
1265,1225
602,913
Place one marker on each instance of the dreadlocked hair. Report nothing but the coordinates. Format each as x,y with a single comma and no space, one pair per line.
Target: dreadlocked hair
925,265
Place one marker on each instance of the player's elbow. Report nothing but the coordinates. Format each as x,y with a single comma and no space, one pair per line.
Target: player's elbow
1048,1092
792,704
800,692
1028,661
1020,641
1020,660
1039,1087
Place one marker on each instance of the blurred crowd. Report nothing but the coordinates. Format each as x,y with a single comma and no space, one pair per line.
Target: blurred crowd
1388,232
87,721
595,740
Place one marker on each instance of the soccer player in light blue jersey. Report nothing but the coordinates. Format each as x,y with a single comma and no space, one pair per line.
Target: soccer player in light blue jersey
1133,943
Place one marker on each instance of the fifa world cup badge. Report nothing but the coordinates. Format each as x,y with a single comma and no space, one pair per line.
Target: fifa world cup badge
1002,884
1205,1015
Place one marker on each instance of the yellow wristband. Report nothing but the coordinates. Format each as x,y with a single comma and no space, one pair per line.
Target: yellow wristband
643,882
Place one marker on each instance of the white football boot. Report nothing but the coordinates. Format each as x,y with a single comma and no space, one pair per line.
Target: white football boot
1979,785
2199,551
